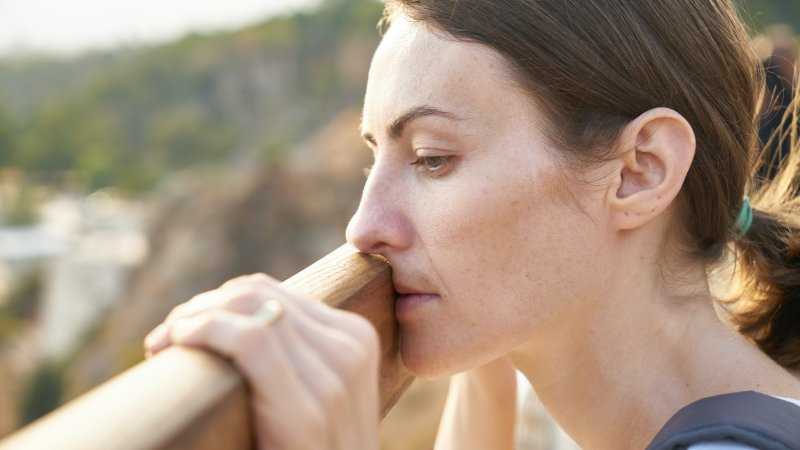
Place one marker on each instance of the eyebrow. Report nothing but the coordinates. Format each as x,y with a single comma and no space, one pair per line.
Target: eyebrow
397,126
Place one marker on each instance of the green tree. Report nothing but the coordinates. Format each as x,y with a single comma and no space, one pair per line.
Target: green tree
7,139
761,13
42,393
205,99
20,304
184,136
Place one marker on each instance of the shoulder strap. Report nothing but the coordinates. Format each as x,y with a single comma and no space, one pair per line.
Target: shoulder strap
749,418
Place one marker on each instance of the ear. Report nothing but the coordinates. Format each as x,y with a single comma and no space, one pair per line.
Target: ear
657,150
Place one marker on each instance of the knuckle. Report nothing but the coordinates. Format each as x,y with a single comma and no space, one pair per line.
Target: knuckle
235,281
254,278
244,299
354,361
334,392
244,280
259,277
178,312
185,330
186,308
365,333
207,322
316,424
250,339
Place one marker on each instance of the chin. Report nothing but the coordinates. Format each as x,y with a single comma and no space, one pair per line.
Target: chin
429,362
423,370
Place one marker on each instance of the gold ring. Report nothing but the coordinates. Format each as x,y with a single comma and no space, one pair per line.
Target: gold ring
269,312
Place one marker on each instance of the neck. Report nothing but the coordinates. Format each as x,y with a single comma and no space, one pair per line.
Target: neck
612,377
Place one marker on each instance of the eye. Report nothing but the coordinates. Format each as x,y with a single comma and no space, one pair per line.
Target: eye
434,165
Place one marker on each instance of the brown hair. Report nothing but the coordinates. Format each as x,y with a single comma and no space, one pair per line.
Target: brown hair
595,65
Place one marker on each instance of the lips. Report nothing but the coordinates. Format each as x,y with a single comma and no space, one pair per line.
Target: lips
410,299
406,289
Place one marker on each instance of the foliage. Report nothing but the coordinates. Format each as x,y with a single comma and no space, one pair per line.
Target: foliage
128,118
765,12
207,99
7,138
42,392
20,304
23,299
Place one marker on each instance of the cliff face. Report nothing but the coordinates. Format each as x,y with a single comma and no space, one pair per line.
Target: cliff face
209,228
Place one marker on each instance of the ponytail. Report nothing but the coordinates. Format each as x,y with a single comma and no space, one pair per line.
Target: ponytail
764,300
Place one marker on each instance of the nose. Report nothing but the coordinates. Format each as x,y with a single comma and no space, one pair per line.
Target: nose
380,225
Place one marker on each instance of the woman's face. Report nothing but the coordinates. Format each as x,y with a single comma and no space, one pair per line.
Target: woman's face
491,246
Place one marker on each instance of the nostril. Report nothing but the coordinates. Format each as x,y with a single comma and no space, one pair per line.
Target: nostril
361,242
365,237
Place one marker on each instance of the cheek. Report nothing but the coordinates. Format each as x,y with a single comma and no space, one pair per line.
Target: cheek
507,254
478,263
496,237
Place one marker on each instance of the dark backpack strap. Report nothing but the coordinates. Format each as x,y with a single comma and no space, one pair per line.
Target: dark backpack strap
749,418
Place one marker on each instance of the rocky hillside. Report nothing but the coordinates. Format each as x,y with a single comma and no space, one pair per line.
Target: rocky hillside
209,228
277,220
129,118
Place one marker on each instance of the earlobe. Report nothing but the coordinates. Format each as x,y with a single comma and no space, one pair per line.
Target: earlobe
657,150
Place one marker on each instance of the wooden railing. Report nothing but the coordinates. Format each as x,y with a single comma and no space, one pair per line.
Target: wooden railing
188,399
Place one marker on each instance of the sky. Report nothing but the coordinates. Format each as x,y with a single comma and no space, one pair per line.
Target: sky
72,26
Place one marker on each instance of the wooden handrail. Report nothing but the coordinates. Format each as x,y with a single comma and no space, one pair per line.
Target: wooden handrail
189,399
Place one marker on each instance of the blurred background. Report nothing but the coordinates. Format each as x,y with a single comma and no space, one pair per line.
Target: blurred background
150,150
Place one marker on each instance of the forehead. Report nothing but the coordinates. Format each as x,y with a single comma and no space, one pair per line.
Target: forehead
416,65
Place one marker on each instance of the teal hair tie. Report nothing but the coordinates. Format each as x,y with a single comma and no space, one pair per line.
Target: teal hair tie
745,219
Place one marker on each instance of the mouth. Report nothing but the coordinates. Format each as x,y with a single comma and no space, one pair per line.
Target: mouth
411,299
403,289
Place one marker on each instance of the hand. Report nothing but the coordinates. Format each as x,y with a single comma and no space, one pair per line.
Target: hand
313,372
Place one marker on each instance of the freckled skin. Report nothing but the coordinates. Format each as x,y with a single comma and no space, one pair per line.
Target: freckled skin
494,235
524,259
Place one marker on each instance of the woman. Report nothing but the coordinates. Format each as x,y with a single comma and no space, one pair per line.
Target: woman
553,181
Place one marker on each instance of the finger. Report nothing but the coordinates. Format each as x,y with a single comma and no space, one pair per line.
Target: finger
269,286
285,376
265,286
260,288
244,294
234,298
319,311
252,278
326,380
228,333
157,340
336,367
355,363
241,298
326,386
